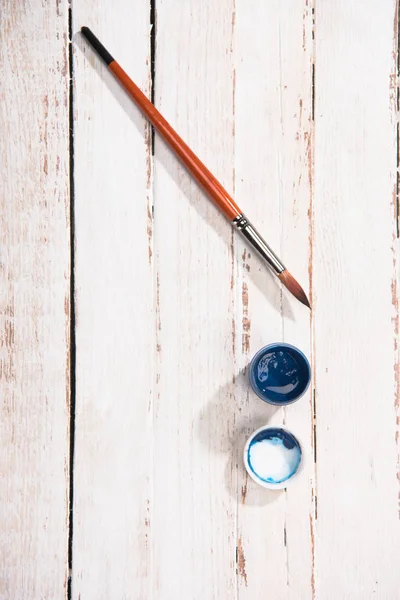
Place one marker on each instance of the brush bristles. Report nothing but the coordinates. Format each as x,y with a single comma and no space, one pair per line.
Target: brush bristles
295,288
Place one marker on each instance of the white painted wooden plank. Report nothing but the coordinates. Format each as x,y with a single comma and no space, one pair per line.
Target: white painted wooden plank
357,527
195,497
200,515
273,51
34,300
114,335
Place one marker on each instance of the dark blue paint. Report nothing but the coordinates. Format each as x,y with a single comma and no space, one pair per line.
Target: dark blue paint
279,373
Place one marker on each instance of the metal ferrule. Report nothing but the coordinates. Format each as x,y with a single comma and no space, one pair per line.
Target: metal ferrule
255,239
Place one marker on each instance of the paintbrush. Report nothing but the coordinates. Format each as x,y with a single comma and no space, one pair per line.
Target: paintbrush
199,171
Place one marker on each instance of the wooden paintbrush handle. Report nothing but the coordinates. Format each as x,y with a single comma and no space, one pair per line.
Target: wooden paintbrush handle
193,164
196,168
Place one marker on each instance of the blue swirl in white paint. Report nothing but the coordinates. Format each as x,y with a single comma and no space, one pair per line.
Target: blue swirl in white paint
274,455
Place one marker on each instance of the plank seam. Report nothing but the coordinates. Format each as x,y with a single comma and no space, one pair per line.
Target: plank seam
72,313
153,43
313,513
397,67
154,266
394,84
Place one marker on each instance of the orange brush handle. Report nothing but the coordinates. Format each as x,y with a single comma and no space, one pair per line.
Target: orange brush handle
199,171
193,164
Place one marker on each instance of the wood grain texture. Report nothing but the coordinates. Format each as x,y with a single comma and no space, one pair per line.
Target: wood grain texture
206,180
194,523
34,300
293,107
354,278
273,57
114,304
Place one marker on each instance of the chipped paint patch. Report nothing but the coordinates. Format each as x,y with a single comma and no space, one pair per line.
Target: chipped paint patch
233,338
149,233
312,538
309,158
232,251
244,489
158,347
149,187
246,323
158,309
241,561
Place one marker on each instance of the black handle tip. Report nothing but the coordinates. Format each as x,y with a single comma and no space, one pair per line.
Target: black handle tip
97,45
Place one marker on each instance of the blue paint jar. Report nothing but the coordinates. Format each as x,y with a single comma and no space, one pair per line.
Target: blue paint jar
272,457
279,374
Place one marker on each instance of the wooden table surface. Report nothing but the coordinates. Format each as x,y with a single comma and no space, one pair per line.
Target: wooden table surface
130,309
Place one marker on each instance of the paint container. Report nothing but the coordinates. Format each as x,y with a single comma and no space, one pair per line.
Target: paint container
279,374
272,457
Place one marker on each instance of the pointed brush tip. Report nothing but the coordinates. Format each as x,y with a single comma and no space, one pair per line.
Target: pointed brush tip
301,297
294,287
